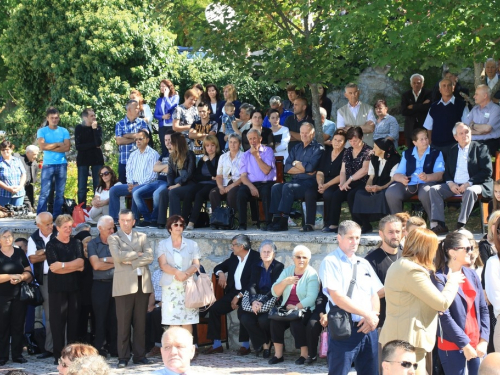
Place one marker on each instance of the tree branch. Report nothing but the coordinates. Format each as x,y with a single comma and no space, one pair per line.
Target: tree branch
286,20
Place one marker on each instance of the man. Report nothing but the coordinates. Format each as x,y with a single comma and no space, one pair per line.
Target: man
36,255
132,254
243,123
484,120
302,164
238,268
139,171
292,93
399,358
88,142
458,90
275,103
102,288
491,78
177,351
54,141
444,114
293,123
490,365
29,160
155,188
355,113
258,173
336,274
125,134
22,243
202,127
467,173
415,104
329,127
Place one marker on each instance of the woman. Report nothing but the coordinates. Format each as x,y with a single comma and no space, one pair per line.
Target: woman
199,90
144,109
12,176
420,167
370,204
65,259
179,260
204,182
89,365
316,323
186,114
230,95
228,174
100,202
412,300
164,108
181,167
464,333
257,118
324,101
281,134
264,275
212,97
86,281
14,269
492,284
386,126
298,285
494,204
72,352
353,177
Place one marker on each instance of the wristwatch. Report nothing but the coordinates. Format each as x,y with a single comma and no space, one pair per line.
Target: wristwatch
293,164
105,260
238,296
157,305
62,265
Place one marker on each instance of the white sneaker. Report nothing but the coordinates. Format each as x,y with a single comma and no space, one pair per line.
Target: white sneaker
291,223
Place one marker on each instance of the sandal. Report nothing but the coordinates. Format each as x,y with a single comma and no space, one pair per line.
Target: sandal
307,228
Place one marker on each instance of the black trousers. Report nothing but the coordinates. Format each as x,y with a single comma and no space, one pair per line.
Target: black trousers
216,197
340,196
154,329
64,310
313,331
12,315
173,198
258,327
244,196
297,328
105,315
199,193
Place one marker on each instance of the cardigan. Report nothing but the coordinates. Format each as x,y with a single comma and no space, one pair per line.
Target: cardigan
307,287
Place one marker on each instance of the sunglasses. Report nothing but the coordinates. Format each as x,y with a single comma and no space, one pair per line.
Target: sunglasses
178,225
468,249
406,364
104,174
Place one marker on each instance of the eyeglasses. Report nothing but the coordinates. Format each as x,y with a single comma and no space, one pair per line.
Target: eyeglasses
104,173
299,257
468,249
178,225
61,362
405,364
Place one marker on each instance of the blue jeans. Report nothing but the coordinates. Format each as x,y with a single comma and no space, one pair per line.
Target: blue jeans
58,171
122,173
153,189
12,201
454,362
83,174
359,348
115,193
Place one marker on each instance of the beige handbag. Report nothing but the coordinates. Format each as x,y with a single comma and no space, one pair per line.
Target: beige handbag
199,293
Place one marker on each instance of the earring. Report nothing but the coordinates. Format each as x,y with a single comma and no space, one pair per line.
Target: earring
454,258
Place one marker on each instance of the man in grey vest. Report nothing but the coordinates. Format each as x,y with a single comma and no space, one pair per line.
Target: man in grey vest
355,113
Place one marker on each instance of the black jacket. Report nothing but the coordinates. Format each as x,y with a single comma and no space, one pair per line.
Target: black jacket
253,288
229,266
415,117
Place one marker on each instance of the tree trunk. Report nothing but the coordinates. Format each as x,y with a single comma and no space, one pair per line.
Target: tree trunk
478,68
315,112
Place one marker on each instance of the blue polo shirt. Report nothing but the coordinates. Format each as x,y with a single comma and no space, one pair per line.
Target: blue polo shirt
53,136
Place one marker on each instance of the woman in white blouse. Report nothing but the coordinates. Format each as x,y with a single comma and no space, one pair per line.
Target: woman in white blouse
492,283
228,174
100,202
281,134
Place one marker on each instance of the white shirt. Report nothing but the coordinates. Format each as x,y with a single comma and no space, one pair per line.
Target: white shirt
239,271
229,169
416,95
354,110
492,282
492,82
462,172
129,236
32,250
429,121
371,170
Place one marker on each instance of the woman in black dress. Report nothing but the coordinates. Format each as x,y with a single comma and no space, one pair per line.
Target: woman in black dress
14,269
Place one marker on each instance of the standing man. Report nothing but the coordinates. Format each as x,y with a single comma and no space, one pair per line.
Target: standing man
36,255
88,142
415,104
29,160
177,351
492,79
132,254
102,287
275,103
337,272
54,142
125,134
293,123
355,113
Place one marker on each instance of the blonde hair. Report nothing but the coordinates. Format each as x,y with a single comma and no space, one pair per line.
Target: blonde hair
211,139
89,365
496,204
491,224
63,219
403,216
420,246
233,95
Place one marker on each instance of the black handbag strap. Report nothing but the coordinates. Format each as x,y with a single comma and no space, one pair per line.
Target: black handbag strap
353,280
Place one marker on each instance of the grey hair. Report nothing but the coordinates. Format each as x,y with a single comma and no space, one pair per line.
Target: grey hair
242,240
131,101
81,227
5,230
38,220
126,211
311,126
351,85
491,59
274,100
104,219
346,226
253,130
485,88
322,111
303,249
268,243
32,148
235,136
417,75
248,108
89,365
454,130
388,219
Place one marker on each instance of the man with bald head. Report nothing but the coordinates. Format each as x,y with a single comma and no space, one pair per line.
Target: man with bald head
177,351
492,79
484,119
36,255
490,365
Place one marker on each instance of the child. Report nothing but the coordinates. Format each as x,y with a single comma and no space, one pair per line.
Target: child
227,121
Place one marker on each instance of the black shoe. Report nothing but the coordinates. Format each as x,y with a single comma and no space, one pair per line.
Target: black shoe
266,353
153,225
20,359
307,228
144,224
142,361
45,355
309,360
300,361
439,229
122,364
258,351
56,362
275,360
161,226
103,352
367,229
3,362
242,227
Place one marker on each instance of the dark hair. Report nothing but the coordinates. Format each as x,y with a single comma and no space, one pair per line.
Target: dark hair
112,182
51,111
86,111
380,101
388,219
174,219
416,132
144,132
78,350
387,146
257,111
198,86
390,348
205,96
20,239
341,132
323,96
354,132
303,100
298,92
451,241
271,111
179,152
170,131
170,86
7,144
126,211
205,104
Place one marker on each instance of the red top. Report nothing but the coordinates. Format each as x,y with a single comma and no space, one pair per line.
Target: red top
471,327
293,299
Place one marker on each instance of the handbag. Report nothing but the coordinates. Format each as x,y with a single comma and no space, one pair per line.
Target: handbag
281,314
31,294
339,320
199,293
222,217
323,343
203,220
247,306
78,215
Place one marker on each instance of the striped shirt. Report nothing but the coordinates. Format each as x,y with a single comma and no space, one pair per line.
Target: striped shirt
140,166
125,126
10,174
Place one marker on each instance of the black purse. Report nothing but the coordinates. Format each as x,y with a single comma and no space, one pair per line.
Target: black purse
339,320
281,314
31,294
203,220
222,217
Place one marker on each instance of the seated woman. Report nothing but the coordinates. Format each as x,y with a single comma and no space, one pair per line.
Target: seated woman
420,167
72,352
257,118
316,323
228,174
203,183
494,204
353,177
256,321
100,202
281,134
298,285
370,204
386,126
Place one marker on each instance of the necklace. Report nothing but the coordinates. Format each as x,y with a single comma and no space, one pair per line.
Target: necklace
388,257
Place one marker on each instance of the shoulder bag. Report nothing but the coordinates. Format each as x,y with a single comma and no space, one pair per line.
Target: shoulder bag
247,306
199,293
281,314
222,217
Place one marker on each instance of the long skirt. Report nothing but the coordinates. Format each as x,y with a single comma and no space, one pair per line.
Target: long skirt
173,311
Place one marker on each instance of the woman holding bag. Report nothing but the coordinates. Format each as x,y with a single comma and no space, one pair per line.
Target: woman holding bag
179,260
